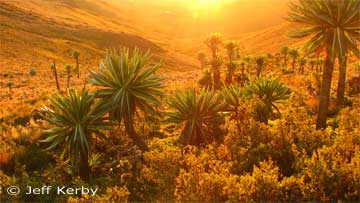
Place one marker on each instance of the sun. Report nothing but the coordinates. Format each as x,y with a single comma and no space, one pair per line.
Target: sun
207,2
204,7
204,4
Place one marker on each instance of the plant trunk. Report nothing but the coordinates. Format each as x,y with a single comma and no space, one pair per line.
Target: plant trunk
77,67
216,70
294,63
258,71
285,60
56,77
230,74
84,169
68,81
301,69
216,77
341,82
130,130
228,80
324,97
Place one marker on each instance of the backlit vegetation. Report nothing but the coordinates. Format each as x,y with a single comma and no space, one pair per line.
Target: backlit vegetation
249,128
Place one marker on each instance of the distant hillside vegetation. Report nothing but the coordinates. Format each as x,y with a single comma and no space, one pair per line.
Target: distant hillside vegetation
37,31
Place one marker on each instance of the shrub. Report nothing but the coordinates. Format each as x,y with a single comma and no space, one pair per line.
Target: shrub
113,194
204,175
34,158
5,182
296,128
333,174
290,189
8,148
262,185
286,70
162,166
288,142
32,72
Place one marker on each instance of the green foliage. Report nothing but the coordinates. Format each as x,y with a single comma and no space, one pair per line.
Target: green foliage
33,157
9,84
270,91
163,166
260,64
199,114
203,175
236,157
202,59
127,86
303,61
232,49
286,70
68,69
294,53
285,51
214,41
249,145
269,55
206,80
76,118
94,161
76,54
312,63
262,185
330,23
32,72
333,172
233,96
231,67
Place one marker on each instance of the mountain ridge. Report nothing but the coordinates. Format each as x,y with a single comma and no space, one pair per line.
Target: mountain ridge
42,30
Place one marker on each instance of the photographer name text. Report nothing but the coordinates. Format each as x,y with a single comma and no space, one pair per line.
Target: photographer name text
61,190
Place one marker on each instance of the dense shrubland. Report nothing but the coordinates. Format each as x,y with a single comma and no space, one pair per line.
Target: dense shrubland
246,133
242,159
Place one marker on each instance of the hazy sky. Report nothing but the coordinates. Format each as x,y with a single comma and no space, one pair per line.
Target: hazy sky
198,17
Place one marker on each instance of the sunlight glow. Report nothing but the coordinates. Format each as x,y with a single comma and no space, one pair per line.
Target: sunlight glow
204,7
205,4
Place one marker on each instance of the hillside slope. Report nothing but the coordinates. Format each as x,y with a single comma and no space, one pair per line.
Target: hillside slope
37,31
33,33
268,40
